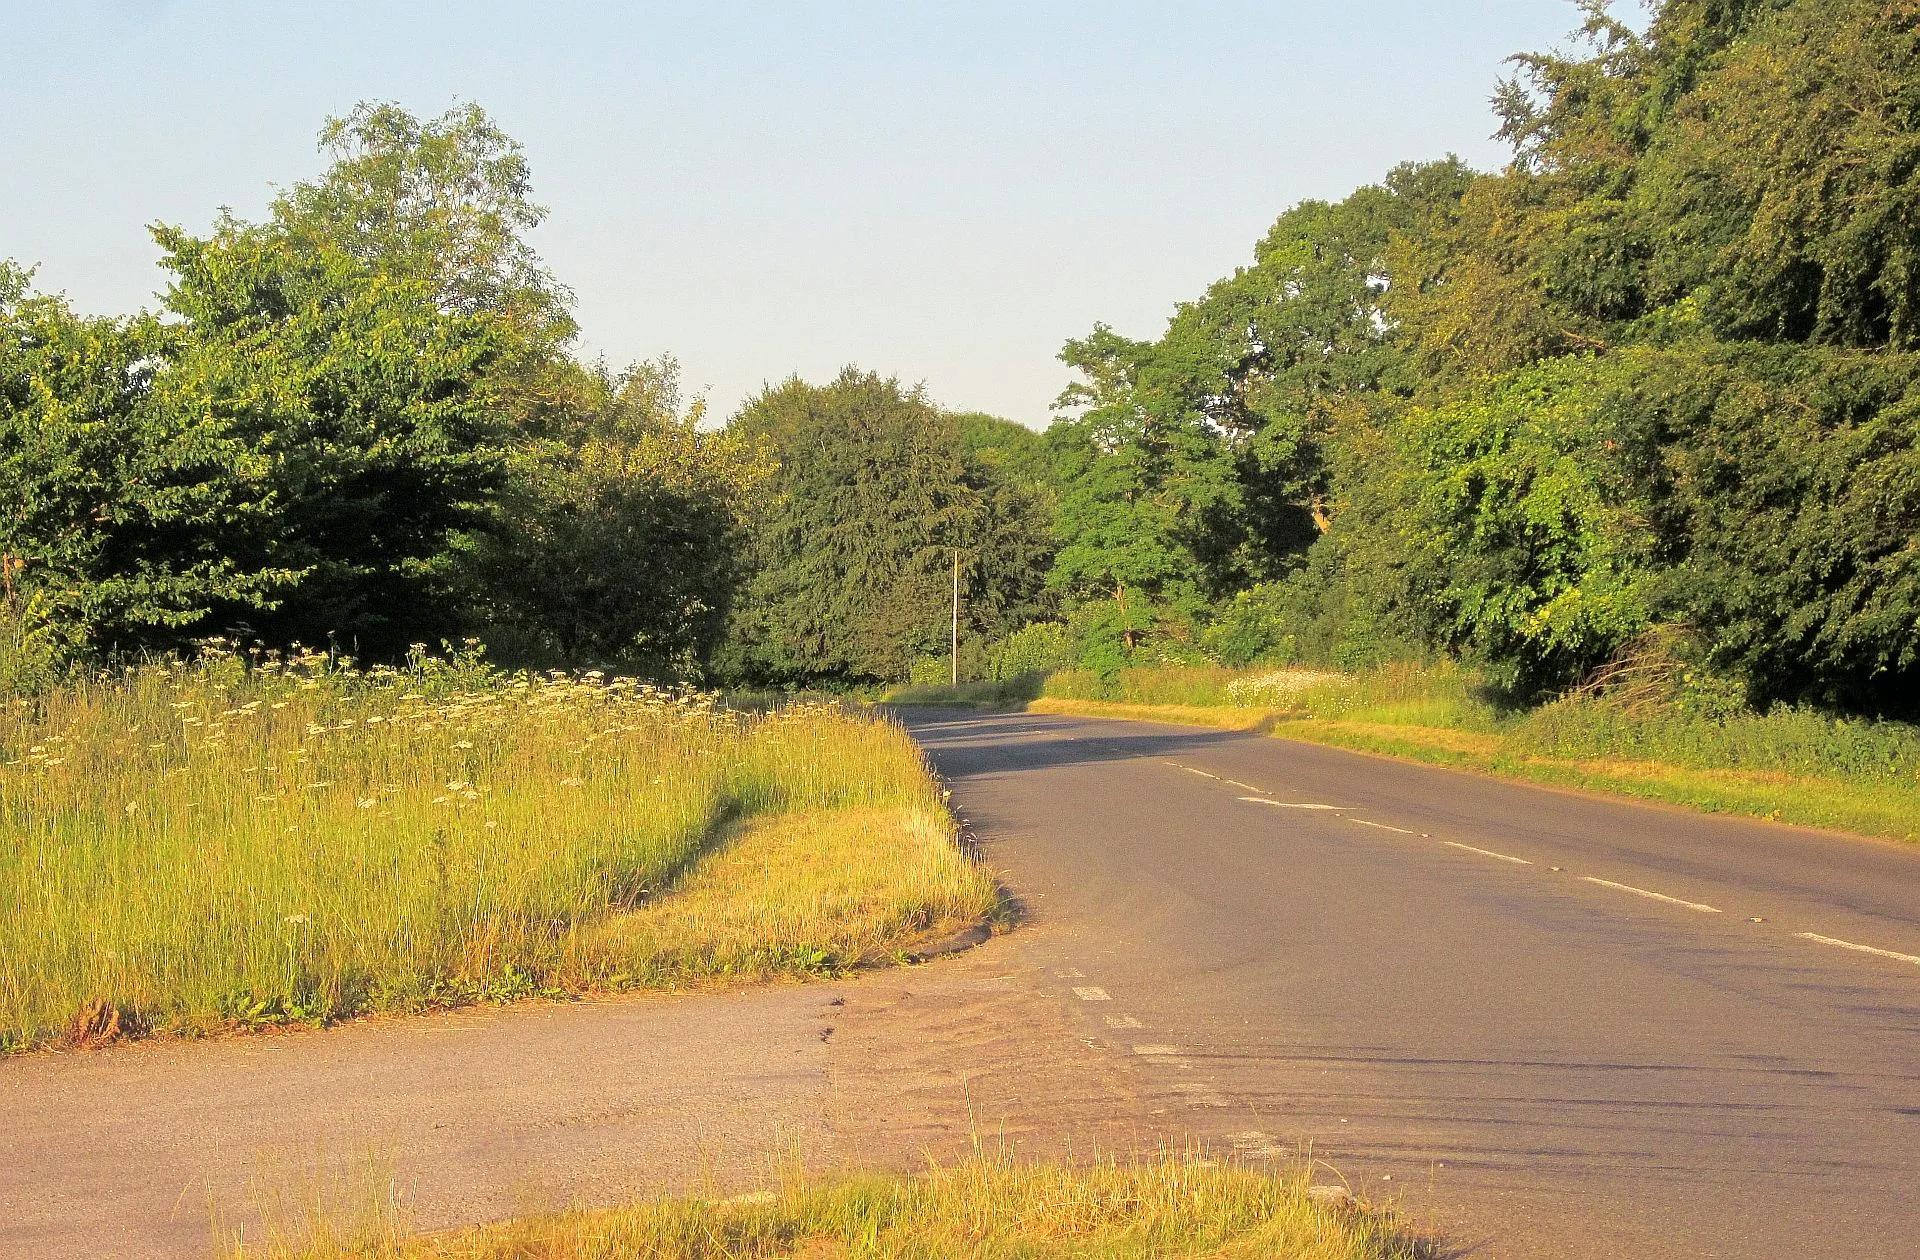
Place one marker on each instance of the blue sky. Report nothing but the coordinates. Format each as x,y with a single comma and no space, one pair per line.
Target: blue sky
943,192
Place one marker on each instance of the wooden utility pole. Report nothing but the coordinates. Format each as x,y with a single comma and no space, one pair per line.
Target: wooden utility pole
956,617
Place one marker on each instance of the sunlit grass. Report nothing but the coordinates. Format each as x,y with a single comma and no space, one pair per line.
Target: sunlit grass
185,849
988,1208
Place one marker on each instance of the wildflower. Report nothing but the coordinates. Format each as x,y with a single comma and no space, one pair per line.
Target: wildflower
571,782
366,802
491,824
295,918
459,785
439,800
465,743
133,806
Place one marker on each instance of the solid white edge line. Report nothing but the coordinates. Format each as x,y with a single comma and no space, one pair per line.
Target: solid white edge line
1382,826
1643,892
1863,949
1263,800
1455,844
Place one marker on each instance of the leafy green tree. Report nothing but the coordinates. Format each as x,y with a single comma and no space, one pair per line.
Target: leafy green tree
122,516
1519,499
367,413
1135,492
851,555
1789,500
622,540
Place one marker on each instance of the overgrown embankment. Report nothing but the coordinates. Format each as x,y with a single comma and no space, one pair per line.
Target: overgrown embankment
186,849
1792,765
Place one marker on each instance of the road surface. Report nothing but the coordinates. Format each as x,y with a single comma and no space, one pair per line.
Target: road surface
1553,1025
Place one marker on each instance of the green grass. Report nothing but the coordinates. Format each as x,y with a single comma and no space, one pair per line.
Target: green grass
185,850
1790,765
988,1208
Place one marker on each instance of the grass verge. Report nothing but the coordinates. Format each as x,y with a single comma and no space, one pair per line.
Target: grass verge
185,850
988,1208
1791,765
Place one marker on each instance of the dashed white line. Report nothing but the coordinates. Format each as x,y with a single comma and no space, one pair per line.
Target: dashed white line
1262,800
1455,844
1864,949
1123,1021
1157,1051
1642,892
1245,787
1382,826
1091,993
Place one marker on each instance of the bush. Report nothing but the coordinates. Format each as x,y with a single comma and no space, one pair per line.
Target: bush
1034,649
32,654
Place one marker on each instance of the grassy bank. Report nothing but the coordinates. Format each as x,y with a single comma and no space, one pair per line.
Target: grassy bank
988,1208
1790,765
189,849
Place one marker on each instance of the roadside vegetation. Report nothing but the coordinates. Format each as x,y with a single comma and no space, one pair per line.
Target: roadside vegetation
1600,468
1649,738
1655,380
250,843
987,1208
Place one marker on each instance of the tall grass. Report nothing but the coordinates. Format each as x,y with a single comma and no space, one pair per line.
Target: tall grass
184,848
988,1208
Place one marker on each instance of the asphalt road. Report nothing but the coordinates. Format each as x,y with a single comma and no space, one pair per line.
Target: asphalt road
1552,1025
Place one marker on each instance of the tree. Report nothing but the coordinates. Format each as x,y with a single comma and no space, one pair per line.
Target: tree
621,541
371,353
851,554
120,514
368,415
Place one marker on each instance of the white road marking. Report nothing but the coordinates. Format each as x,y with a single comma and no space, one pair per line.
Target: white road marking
1864,949
1642,892
1261,800
1156,1050
1123,1021
1246,787
1071,973
1382,826
1202,773
1455,844
1091,993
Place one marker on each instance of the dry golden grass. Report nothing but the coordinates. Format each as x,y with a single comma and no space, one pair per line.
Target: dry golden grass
1220,717
988,1208
816,890
192,849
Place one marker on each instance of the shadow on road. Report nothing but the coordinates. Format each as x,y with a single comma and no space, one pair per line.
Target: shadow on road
965,742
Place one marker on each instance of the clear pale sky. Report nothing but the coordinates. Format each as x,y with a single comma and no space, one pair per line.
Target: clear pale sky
942,192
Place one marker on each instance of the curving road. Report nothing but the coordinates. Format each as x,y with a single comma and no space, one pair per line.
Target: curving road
1553,1025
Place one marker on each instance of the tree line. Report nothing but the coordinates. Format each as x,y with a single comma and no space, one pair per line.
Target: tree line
1656,381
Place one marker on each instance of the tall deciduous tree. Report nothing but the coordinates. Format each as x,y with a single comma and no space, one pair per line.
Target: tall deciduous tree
622,539
852,554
